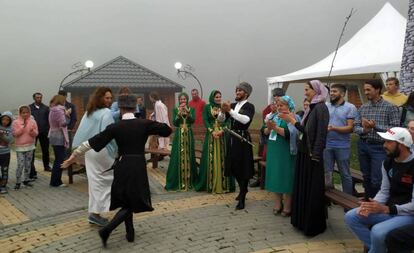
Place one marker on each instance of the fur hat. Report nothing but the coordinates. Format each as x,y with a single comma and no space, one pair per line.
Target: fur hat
246,87
127,101
278,92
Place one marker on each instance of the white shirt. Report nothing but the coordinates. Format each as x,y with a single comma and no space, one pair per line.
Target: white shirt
128,115
244,119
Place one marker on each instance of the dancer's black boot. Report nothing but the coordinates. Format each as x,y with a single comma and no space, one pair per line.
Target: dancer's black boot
129,227
242,195
119,217
241,203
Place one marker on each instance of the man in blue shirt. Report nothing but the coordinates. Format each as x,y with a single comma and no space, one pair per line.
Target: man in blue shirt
338,140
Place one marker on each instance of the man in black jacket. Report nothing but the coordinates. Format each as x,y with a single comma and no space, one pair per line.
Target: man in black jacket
40,113
239,159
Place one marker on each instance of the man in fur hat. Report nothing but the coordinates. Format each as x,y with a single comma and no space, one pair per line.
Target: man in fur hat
239,160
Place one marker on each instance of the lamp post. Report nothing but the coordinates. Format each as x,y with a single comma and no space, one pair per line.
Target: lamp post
87,67
184,72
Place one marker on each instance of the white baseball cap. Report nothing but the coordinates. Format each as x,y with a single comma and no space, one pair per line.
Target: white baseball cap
398,134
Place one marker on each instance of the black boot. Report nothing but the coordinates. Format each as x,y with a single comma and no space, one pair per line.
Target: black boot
241,203
129,227
119,217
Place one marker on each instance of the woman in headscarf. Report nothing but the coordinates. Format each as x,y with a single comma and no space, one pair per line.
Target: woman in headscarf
211,175
97,117
182,170
308,202
280,162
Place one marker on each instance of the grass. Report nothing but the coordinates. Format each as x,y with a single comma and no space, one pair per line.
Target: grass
38,153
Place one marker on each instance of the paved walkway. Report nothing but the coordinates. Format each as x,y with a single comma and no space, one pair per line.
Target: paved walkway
44,219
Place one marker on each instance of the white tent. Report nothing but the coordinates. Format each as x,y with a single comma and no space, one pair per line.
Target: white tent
375,51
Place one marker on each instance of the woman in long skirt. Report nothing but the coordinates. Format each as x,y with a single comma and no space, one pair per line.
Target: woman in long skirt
182,170
97,117
308,200
211,176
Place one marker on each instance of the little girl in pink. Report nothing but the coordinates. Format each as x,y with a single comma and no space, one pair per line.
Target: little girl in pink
24,132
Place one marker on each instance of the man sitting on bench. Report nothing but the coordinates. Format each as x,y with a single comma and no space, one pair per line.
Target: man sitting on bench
393,205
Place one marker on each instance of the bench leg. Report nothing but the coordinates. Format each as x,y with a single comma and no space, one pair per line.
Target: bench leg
70,174
262,176
154,159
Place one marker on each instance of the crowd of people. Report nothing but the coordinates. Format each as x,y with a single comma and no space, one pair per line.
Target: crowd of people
300,148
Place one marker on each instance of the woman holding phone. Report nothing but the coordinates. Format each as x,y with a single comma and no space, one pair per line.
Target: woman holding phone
182,170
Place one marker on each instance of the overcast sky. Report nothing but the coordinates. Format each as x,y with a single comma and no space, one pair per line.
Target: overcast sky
224,40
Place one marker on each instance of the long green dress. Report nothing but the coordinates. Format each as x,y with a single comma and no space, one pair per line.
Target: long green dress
211,175
280,164
182,169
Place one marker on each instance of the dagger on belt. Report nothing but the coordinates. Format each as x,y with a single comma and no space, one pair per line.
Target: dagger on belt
238,136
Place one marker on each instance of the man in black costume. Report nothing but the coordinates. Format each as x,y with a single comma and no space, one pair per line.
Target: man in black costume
239,159
130,188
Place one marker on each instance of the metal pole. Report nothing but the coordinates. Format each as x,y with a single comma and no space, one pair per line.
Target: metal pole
198,81
74,72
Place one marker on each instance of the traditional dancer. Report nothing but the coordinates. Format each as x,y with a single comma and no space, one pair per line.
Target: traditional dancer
130,188
239,159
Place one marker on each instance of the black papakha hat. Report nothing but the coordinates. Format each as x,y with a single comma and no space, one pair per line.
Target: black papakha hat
278,92
127,101
246,87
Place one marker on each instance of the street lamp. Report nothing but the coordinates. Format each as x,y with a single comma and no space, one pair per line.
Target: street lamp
184,72
87,68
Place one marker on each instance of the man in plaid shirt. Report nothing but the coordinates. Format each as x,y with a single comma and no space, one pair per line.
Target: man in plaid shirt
377,115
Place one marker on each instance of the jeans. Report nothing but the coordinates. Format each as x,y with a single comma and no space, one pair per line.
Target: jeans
370,158
381,224
341,157
60,154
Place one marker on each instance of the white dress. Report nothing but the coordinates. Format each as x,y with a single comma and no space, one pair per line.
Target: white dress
99,182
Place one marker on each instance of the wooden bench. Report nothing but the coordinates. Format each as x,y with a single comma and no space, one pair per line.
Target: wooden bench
155,155
336,196
72,172
341,198
356,178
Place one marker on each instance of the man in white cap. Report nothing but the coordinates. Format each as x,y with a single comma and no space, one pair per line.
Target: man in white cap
239,158
393,205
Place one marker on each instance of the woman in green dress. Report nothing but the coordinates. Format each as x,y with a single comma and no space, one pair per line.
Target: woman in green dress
280,161
182,170
211,175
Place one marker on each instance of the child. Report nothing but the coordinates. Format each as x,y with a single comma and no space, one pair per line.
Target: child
5,140
25,132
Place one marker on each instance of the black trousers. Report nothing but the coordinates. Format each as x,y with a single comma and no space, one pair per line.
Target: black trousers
44,145
400,240
123,215
4,166
243,184
56,176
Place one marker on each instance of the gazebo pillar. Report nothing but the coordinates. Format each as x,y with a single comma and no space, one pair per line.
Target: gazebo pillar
407,64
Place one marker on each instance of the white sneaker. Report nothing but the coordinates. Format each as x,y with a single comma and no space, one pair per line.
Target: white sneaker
63,185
